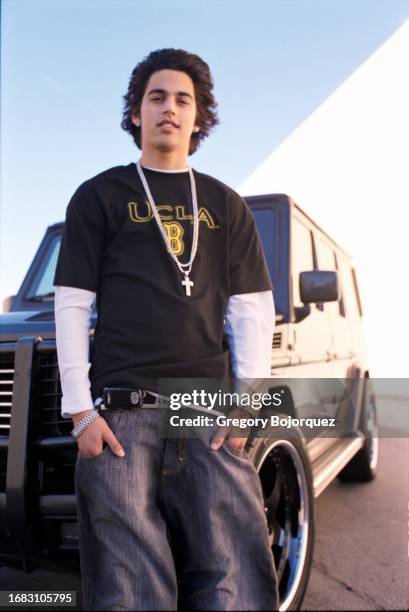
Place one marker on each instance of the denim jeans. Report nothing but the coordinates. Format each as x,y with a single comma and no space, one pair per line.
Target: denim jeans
173,524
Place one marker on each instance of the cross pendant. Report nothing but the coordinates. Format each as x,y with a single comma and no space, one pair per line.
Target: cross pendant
187,283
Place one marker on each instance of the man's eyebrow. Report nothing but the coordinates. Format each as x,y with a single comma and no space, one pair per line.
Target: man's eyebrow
164,92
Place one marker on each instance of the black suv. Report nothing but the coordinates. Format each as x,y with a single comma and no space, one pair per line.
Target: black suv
318,356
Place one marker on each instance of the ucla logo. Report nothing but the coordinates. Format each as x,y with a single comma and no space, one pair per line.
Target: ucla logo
171,217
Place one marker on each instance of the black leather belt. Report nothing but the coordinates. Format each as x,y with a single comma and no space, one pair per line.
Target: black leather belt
115,398
130,399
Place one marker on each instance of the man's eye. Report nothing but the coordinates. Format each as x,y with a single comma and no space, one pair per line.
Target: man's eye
156,98
183,101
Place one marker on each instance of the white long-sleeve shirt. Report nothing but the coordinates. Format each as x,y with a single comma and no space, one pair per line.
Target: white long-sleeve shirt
249,328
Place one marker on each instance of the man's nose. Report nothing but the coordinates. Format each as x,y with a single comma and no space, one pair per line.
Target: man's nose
169,105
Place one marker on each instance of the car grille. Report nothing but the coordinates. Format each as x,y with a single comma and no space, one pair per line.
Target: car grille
49,397
277,340
6,397
6,394
56,466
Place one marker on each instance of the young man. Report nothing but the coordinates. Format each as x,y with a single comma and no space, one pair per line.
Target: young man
169,254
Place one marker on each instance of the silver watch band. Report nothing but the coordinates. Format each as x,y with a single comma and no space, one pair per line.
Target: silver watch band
84,422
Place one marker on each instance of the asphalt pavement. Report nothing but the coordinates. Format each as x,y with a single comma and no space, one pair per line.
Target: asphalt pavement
361,549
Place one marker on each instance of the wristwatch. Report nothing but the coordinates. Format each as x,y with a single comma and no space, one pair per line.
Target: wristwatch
84,422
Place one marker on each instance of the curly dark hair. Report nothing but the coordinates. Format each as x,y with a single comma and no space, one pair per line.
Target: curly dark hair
172,59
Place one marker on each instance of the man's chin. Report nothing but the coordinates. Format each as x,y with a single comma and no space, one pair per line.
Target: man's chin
166,148
167,145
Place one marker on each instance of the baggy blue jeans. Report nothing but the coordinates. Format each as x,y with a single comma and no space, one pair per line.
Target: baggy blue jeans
173,524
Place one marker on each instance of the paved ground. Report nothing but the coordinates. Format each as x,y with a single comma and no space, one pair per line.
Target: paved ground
361,554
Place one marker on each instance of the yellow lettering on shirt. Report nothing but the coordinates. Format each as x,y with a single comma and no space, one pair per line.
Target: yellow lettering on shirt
176,213
174,232
135,216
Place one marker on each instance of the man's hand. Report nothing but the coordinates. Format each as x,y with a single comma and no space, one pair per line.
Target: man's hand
90,442
219,439
226,434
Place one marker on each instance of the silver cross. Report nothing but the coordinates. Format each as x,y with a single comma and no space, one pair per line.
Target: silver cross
187,283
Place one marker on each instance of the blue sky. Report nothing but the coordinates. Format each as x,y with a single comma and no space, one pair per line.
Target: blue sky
66,64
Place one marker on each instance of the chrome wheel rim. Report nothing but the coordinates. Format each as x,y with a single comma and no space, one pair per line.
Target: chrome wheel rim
287,508
372,433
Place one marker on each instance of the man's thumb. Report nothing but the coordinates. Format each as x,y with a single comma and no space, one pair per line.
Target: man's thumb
218,439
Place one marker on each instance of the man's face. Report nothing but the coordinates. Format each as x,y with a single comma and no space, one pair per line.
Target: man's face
168,112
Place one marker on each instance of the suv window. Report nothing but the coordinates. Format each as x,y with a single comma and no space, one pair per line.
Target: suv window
348,290
43,282
265,223
301,255
327,261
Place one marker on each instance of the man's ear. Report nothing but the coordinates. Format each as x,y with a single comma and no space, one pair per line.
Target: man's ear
136,120
196,129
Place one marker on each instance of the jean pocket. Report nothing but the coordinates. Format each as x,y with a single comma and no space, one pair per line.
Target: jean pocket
113,419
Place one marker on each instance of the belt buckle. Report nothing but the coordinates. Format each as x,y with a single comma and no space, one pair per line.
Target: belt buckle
136,398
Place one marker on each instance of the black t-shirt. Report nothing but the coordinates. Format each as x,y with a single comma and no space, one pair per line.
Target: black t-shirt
147,327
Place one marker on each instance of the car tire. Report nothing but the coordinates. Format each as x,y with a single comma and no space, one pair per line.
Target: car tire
363,466
286,478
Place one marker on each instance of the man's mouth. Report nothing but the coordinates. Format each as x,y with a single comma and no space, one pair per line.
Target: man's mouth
167,123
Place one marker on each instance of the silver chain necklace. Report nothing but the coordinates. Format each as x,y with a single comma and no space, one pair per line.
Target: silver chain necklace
184,268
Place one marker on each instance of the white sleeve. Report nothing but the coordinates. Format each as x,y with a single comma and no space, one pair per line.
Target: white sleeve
250,321
73,308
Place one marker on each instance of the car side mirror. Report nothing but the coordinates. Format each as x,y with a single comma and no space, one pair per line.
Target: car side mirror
319,286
